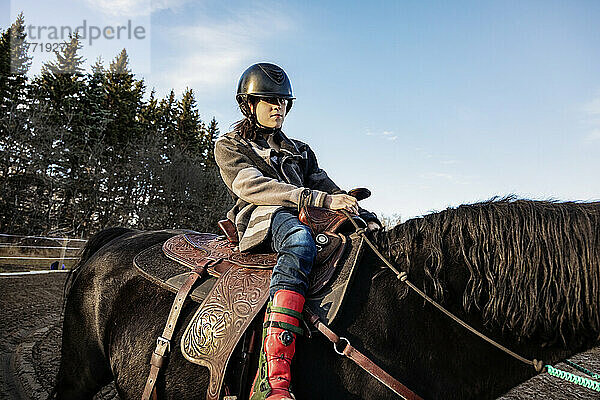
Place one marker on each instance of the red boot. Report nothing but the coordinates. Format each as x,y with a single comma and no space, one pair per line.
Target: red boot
282,323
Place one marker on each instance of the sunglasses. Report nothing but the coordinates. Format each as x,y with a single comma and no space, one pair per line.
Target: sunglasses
277,101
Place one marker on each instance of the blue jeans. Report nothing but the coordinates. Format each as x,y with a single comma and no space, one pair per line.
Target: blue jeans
296,252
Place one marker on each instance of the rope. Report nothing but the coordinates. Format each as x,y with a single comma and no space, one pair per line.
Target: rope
578,380
403,277
537,364
582,369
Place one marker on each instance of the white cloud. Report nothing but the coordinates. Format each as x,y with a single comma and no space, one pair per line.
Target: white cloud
389,135
443,159
211,54
459,180
132,7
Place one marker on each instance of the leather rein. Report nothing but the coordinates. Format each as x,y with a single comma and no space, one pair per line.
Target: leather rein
368,365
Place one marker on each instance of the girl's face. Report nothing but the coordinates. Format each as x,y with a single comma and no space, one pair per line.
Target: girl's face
270,111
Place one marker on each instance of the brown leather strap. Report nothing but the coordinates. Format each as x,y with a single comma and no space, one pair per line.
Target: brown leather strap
163,343
229,230
363,361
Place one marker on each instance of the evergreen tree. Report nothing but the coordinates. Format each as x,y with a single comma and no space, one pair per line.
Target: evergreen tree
14,61
151,158
16,174
122,143
5,72
167,113
124,95
93,176
62,81
59,91
95,102
14,65
20,61
68,61
190,129
83,151
212,133
149,113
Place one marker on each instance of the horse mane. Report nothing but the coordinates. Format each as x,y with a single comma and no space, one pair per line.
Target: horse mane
533,267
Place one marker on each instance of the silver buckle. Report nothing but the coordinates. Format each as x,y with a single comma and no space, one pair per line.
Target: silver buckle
163,341
335,346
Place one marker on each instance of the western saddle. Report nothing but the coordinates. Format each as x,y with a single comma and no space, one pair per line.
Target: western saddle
234,287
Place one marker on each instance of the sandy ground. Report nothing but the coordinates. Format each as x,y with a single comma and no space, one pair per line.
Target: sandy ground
30,308
30,331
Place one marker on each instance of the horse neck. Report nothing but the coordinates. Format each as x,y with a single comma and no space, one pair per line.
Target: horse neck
425,349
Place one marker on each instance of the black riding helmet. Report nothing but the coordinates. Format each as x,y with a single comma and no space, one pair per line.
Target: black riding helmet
263,80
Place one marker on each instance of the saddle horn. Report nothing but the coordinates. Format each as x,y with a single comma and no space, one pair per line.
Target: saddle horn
360,193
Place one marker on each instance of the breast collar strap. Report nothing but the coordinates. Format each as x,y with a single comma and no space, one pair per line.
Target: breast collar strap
342,346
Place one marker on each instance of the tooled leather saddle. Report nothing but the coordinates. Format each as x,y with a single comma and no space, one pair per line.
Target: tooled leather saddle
233,287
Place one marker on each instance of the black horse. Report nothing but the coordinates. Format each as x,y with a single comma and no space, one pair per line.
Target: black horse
526,273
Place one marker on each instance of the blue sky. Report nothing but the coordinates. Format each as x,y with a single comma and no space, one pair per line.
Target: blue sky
429,104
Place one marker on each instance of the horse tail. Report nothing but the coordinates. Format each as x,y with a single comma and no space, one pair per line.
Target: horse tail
95,243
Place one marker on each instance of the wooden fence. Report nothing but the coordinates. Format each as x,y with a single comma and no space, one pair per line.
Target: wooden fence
35,253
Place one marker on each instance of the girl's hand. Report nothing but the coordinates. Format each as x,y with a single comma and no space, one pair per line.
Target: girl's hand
373,226
342,202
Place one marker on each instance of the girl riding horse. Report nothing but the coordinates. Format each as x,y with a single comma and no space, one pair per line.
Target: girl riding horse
271,177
